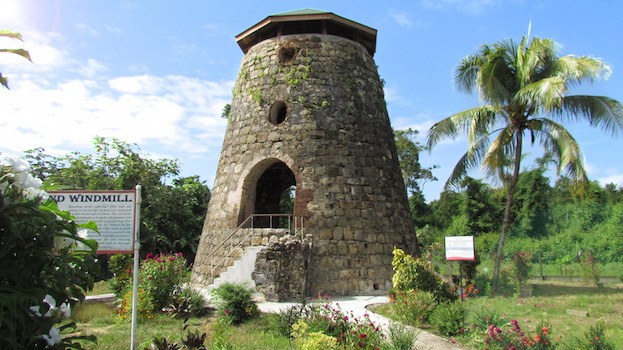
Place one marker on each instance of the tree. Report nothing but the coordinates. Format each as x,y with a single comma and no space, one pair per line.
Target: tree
531,207
173,207
524,89
20,52
409,159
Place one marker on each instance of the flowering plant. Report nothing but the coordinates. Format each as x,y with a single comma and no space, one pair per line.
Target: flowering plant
40,279
351,331
161,276
511,336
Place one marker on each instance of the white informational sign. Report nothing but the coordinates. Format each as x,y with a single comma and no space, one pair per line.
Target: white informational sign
114,213
460,248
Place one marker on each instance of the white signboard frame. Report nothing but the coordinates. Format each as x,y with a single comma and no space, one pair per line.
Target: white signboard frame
114,212
460,248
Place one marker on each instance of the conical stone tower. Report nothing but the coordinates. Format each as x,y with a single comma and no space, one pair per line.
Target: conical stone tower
308,118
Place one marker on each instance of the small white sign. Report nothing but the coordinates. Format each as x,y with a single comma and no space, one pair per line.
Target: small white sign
113,212
460,248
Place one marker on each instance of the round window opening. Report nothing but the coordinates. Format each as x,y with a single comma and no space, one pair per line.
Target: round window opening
277,113
286,54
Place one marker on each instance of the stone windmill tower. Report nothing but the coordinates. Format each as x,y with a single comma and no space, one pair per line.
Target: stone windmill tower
308,120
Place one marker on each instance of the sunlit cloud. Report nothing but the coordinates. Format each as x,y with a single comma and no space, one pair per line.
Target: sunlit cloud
172,115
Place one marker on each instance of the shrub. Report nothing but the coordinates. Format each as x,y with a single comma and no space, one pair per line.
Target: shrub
414,273
44,271
120,266
594,339
145,306
511,336
161,275
400,337
235,301
483,318
187,302
306,340
412,307
362,334
289,316
449,318
522,265
321,316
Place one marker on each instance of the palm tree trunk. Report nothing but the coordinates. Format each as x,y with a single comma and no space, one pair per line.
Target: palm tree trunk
506,223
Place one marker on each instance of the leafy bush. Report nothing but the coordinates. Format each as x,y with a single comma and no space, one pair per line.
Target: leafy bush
46,265
120,266
400,337
187,302
289,316
322,317
483,318
449,318
192,341
235,301
414,273
594,339
522,265
412,307
511,336
306,340
161,275
145,304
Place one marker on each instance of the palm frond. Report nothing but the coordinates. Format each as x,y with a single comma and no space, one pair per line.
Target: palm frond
577,70
541,96
600,111
468,161
499,153
565,150
466,73
462,122
496,80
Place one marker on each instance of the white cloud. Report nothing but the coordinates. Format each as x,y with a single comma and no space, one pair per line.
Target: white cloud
92,69
402,18
614,178
85,28
176,116
141,84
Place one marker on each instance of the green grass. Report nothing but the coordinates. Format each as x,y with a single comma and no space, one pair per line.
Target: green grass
100,320
101,287
549,303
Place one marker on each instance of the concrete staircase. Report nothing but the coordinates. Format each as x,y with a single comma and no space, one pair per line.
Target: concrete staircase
240,272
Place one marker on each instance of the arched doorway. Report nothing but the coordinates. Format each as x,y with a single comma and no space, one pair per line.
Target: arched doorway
270,188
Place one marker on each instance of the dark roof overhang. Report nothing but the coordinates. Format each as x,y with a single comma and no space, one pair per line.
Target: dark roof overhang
307,21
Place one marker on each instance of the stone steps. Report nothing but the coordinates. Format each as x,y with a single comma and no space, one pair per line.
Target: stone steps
241,271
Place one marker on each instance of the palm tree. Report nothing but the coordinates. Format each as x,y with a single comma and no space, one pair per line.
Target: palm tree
524,93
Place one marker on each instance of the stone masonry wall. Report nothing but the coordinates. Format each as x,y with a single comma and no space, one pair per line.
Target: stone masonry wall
337,140
281,270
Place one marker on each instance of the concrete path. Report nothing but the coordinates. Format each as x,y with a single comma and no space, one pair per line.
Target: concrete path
357,305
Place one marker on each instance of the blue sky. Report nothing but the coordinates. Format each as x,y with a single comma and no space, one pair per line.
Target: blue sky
158,73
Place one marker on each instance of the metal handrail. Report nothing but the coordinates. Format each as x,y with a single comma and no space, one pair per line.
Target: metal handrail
241,226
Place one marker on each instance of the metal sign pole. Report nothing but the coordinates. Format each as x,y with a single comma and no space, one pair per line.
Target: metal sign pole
137,230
